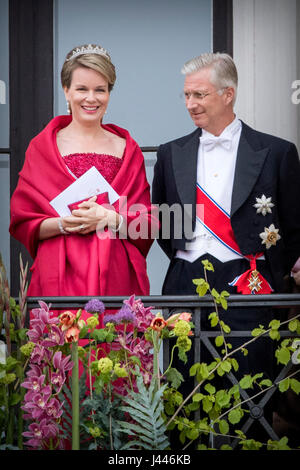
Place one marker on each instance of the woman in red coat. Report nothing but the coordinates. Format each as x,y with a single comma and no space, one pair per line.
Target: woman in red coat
97,250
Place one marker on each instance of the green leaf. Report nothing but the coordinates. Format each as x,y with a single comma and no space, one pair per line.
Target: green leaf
246,382
266,382
214,319
219,340
234,416
207,404
293,325
257,332
226,366
274,334
223,426
193,434
222,398
202,289
145,409
224,303
234,364
295,386
198,397
174,377
207,265
210,389
283,356
284,385
274,324
14,399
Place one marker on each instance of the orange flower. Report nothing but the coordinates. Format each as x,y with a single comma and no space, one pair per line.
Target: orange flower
72,334
66,320
158,323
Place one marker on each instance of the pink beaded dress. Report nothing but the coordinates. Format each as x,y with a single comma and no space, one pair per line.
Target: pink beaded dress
107,165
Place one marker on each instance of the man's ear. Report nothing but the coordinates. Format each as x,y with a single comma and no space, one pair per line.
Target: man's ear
229,93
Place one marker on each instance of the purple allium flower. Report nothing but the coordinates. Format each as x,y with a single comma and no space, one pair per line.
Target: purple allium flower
125,314
94,306
110,318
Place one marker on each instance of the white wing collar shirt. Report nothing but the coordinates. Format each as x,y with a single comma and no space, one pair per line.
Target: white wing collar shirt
215,174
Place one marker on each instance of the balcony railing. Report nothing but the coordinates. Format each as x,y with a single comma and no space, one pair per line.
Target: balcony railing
195,304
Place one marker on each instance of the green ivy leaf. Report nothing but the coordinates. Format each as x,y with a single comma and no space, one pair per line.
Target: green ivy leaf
284,385
226,366
207,265
210,389
293,324
274,334
219,340
174,377
283,356
257,332
198,397
274,324
207,404
234,416
246,382
266,382
295,386
223,426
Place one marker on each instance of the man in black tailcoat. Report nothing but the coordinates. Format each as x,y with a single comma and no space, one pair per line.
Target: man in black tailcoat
238,191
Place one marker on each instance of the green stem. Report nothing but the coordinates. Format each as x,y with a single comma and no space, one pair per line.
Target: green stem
10,424
171,360
156,361
20,421
75,398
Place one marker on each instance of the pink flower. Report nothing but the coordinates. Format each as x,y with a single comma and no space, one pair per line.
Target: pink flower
39,432
143,316
173,319
40,354
55,338
34,383
61,363
54,408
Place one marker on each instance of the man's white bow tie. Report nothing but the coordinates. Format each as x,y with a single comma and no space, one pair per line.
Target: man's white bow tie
209,142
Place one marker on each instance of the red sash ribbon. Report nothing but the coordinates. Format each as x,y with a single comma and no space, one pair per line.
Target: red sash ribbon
217,221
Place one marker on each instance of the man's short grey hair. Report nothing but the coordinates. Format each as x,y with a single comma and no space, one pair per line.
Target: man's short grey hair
223,70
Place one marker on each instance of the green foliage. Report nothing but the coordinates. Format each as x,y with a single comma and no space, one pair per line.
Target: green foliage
145,407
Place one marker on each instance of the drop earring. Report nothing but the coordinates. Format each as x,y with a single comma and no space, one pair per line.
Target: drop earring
68,108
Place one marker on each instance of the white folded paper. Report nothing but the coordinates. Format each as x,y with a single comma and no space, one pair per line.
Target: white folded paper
89,184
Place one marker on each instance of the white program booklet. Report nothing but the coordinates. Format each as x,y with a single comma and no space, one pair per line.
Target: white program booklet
87,185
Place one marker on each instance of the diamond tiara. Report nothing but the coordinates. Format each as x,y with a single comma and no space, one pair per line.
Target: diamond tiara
88,50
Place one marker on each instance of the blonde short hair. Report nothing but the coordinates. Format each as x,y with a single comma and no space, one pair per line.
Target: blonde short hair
97,62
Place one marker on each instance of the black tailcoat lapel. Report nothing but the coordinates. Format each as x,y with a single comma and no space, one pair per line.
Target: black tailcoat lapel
249,164
184,160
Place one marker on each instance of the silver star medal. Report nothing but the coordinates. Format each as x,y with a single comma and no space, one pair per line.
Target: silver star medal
263,205
270,236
